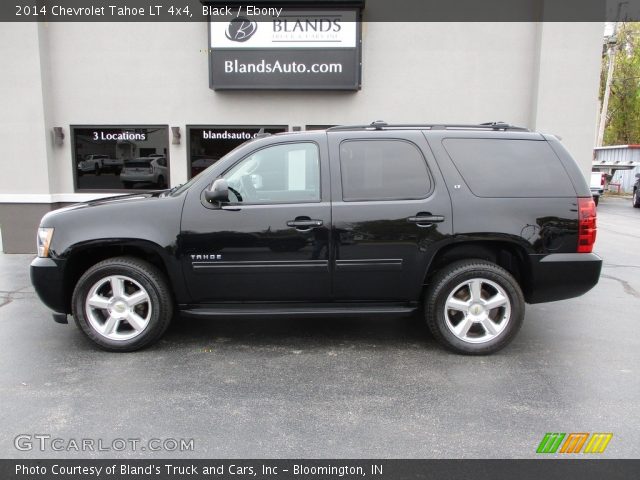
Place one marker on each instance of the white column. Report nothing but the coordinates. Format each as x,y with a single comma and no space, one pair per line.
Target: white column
565,99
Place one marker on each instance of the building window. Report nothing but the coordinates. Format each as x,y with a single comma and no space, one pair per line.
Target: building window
120,157
318,127
209,143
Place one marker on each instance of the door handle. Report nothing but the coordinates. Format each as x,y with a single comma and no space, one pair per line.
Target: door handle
425,219
304,223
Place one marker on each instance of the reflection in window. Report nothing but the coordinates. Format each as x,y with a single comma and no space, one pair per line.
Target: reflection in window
523,159
120,157
279,174
383,170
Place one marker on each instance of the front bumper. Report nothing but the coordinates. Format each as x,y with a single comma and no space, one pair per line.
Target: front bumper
560,276
47,277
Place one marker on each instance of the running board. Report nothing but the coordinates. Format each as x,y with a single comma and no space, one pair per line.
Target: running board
270,310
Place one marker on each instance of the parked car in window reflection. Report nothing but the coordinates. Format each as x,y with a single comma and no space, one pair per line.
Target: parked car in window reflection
148,170
92,164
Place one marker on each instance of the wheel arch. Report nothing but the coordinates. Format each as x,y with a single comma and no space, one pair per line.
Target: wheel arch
505,253
81,257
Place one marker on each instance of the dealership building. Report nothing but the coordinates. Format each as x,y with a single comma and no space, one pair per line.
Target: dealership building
83,102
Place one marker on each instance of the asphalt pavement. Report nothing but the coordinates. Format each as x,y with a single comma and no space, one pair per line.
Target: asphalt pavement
327,388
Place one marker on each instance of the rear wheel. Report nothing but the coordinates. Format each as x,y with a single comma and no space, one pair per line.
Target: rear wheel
122,304
596,199
636,199
474,307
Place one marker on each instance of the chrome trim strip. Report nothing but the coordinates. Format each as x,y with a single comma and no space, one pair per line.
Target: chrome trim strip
263,264
370,264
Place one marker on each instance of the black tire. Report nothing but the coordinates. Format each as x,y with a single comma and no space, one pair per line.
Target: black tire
447,281
160,181
148,277
636,199
127,185
96,170
596,199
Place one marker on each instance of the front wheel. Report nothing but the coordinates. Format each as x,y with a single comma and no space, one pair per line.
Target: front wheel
636,199
122,304
474,307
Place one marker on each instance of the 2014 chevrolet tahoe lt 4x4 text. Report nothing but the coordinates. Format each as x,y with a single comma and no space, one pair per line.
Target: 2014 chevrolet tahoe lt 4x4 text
466,222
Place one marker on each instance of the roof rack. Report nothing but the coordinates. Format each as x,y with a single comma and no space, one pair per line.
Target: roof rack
381,125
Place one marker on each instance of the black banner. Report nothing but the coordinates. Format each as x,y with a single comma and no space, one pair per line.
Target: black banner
374,10
312,69
547,469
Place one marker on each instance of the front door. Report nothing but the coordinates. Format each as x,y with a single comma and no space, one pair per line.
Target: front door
391,208
271,241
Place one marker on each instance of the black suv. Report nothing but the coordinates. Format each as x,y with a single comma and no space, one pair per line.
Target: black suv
467,221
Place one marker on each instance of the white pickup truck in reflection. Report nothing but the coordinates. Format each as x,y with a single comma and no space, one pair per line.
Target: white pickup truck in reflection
92,164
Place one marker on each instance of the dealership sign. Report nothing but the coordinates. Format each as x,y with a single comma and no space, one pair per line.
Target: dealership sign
285,49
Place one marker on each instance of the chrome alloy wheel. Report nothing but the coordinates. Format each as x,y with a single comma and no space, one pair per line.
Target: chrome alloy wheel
118,307
477,310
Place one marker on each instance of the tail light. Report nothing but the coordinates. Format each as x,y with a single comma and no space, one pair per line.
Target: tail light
586,225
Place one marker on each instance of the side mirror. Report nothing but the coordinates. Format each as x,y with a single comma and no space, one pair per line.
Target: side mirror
219,191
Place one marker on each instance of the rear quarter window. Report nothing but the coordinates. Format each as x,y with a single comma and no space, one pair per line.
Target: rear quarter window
509,168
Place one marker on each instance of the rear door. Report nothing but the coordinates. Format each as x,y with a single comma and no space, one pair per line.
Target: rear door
390,210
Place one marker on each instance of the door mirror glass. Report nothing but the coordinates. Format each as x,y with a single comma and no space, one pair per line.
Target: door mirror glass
219,191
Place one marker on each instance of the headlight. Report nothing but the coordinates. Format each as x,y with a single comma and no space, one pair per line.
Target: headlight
44,240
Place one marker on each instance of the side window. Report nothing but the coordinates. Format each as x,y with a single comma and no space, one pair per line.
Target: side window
509,168
288,173
383,170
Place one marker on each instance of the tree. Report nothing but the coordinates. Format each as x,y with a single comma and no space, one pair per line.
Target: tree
623,116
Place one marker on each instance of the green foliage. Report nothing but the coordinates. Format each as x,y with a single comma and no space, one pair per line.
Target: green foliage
623,116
